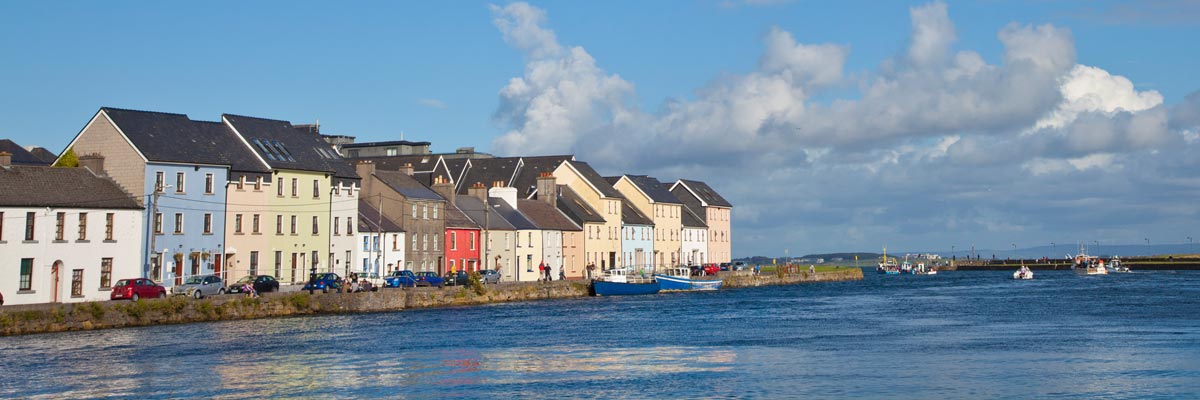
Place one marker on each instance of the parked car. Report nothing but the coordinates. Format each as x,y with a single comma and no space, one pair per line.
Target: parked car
726,266
460,278
262,284
200,285
706,269
372,277
430,279
712,268
137,288
403,278
324,281
739,265
489,276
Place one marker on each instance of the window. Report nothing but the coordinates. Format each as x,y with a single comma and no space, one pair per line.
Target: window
77,283
178,223
58,225
518,238
395,239
435,211
159,181
425,241
105,273
254,224
278,263
529,239
26,282
279,224
435,241
108,225
237,224
295,187
253,263
241,182
208,183
414,242
279,187
472,241
258,184
293,224
316,230
178,182
366,243
82,226
414,210
425,211
391,151
316,189
374,242
349,225
315,258
158,223
336,223
453,240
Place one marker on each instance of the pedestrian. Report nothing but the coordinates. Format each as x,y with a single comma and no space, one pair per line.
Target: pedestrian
562,274
541,272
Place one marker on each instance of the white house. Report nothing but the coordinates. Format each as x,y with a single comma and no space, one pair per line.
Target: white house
694,249
380,242
66,234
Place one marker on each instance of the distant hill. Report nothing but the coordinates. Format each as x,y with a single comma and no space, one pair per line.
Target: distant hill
846,256
830,258
1058,251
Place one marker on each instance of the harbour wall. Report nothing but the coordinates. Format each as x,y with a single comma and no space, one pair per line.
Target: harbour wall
46,318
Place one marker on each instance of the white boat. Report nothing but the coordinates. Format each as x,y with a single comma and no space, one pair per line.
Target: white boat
623,282
1023,274
680,279
1088,265
1116,266
921,269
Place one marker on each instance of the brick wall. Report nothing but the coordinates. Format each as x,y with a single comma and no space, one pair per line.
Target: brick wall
121,162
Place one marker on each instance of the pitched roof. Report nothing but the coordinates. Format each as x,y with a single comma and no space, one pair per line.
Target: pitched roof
391,143
690,201
455,218
43,154
406,185
371,220
594,178
284,146
690,219
546,216
705,192
20,156
42,186
531,167
420,162
170,137
510,214
653,189
631,216
488,170
575,207
474,209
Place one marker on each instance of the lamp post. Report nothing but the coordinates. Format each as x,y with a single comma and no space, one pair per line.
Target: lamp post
1097,243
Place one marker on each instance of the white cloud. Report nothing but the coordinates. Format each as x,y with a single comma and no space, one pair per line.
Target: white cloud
432,103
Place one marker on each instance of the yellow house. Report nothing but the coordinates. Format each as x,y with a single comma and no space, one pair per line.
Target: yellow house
602,241
653,199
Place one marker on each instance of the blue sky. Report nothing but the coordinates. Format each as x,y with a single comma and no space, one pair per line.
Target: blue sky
655,74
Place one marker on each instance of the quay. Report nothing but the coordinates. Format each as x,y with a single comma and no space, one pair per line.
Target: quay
1157,263
46,318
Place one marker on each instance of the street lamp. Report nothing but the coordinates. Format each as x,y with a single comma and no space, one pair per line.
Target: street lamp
1097,242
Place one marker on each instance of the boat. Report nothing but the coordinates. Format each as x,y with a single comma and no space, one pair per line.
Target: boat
1023,274
623,282
887,265
921,269
1116,266
1088,265
680,279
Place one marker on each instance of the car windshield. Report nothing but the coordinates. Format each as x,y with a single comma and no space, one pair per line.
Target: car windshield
195,280
246,279
123,282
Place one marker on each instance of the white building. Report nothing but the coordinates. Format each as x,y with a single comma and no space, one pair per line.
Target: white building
380,242
694,249
66,235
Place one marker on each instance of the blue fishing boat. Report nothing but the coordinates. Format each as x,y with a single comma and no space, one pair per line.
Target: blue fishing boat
680,279
619,282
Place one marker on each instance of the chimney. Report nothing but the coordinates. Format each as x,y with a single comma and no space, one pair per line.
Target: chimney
93,162
508,194
547,189
444,188
365,169
478,191
407,169
5,159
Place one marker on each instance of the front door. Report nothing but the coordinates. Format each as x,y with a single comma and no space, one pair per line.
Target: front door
217,265
178,269
294,261
612,259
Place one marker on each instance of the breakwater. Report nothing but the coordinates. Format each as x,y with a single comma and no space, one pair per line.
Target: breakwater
45,318
1169,263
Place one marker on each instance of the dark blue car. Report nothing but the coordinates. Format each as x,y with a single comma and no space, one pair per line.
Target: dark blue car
429,279
397,279
324,282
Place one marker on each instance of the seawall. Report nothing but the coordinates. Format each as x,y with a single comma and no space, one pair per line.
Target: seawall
45,318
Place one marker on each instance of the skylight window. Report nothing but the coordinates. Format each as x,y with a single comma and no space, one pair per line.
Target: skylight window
268,153
283,151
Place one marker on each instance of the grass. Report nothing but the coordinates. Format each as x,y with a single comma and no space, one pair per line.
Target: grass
820,268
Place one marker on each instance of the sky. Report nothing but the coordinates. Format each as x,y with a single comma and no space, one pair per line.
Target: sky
831,126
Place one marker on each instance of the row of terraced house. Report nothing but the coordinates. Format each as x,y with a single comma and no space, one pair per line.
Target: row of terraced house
162,196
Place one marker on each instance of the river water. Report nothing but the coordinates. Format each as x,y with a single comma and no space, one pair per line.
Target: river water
954,335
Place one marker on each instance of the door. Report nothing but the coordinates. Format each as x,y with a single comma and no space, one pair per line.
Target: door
178,269
54,281
612,259
217,265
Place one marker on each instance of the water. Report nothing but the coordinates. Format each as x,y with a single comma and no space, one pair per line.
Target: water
954,335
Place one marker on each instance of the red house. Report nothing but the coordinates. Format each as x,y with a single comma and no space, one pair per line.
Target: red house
462,234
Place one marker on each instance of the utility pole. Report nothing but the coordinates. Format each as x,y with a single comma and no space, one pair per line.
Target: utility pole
153,233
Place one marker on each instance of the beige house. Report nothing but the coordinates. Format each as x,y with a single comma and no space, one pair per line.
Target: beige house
602,231
653,199
714,212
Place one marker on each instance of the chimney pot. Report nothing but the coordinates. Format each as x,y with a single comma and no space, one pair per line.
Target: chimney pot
5,159
93,162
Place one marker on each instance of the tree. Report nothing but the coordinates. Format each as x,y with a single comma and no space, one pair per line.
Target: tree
68,160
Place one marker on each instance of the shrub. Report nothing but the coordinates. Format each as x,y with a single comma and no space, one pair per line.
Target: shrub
476,283
68,160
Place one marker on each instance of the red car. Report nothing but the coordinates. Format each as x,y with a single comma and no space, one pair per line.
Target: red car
137,288
711,269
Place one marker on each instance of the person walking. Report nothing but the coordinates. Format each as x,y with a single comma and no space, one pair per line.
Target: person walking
562,274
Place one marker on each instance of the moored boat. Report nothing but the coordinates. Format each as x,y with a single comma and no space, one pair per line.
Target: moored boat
680,279
1023,274
1115,265
621,282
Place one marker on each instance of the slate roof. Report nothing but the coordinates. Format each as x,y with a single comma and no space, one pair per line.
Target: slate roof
595,179
510,214
456,218
420,162
43,154
20,156
488,170
706,193
370,220
545,216
690,220
474,209
651,187
167,137
42,186
690,202
531,167
575,207
456,165
631,216
391,143
283,146
406,185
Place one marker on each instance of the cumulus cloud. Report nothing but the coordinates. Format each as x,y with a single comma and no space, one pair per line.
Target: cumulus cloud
935,137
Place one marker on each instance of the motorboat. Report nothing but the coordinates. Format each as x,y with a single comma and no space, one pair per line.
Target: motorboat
624,282
680,279
1115,265
1023,274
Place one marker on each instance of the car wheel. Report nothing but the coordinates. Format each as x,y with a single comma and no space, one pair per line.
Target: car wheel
197,295
162,294
135,297
220,291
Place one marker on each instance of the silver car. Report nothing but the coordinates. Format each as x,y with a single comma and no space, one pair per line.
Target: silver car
489,276
200,286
